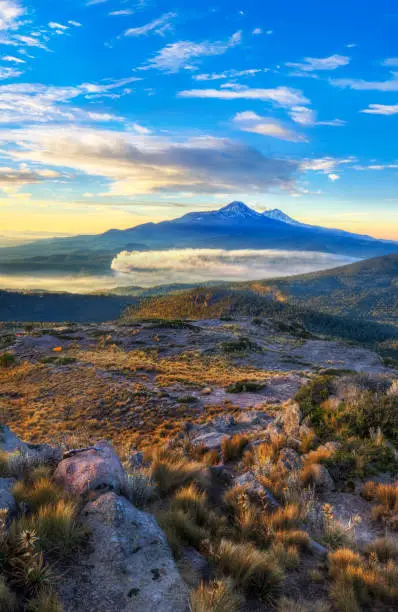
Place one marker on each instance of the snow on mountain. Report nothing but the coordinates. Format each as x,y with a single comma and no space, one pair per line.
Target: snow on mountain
279,215
238,209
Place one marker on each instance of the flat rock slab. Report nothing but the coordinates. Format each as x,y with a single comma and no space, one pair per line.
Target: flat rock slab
130,568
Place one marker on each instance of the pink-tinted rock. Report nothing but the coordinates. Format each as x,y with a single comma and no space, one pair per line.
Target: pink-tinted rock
98,469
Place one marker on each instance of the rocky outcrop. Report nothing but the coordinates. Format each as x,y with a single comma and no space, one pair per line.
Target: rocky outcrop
130,567
256,490
96,469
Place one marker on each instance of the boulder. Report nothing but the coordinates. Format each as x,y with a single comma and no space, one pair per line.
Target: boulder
324,480
97,469
7,501
129,567
291,419
290,459
256,490
211,440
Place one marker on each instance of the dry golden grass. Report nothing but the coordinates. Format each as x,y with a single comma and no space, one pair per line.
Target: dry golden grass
385,549
232,448
90,402
216,596
174,473
318,455
359,581
387,497
187,368
254,571
41,492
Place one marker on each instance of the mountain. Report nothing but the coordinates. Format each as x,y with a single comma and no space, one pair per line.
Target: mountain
279,215
235,226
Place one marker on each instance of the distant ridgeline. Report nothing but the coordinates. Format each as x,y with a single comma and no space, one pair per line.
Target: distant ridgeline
235,226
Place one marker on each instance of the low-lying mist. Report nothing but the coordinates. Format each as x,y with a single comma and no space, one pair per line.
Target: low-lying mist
149,268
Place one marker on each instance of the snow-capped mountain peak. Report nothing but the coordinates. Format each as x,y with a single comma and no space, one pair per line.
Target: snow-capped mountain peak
279,215
238,209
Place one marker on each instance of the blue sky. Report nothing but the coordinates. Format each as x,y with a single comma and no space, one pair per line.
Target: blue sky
115,112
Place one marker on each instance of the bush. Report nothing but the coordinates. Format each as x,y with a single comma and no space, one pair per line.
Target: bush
255,572
139,488
245,387
45,601
55,526
42,492
232,448
384,549
7,360
174,473
216,596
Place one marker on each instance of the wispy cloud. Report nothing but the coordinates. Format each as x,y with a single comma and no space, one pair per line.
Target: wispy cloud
284,96
185,53
13,59
157,26
314,64
228,74
308,117
363,85
325,165
381,109
251,122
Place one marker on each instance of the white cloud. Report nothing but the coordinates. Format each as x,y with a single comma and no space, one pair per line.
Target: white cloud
228,74
381,109
158,26
136,163
12,58
77,24
9,73
362,85
36,103
325,165
306,116
313,64
199,265
251,122
333,177
57,26
10,12
121,13
257,31
179,55
284,96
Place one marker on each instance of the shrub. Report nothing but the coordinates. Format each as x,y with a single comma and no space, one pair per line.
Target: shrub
384,549
255,572
245,387
387,496
45,601
216,596
55,526
287,557
232,448
174,473
139,488
7,360
180,528
239,346
29,570
42,492
8,601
